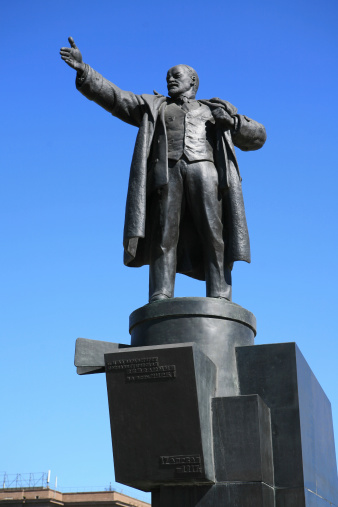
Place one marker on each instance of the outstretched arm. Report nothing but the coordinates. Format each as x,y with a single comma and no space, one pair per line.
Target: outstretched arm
124,105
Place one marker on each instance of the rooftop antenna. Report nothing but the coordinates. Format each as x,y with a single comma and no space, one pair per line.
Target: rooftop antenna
56,483
48,478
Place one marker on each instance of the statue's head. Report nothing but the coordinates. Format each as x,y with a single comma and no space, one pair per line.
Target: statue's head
182,80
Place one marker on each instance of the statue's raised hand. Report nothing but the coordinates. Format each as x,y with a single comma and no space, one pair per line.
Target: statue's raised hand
72,56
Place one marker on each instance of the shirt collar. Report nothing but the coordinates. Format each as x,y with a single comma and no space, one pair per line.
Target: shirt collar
183,100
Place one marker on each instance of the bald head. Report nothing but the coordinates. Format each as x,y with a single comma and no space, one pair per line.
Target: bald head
182,80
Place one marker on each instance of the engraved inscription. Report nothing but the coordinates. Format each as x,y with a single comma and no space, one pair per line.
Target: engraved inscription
142,370
153,376
127,364
183,464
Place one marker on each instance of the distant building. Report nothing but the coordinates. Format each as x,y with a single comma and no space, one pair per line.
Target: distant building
45,497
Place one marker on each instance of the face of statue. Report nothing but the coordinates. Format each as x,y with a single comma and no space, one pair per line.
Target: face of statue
180,82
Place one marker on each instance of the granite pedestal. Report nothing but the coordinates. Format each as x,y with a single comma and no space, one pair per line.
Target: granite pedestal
203,418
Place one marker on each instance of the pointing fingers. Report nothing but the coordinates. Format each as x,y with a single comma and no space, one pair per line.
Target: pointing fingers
72,43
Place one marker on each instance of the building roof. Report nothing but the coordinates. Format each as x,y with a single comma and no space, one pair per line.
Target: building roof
45,497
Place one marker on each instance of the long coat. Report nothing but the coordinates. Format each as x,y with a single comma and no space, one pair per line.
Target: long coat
149,174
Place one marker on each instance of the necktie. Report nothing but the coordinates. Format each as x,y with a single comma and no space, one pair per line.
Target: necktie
185,104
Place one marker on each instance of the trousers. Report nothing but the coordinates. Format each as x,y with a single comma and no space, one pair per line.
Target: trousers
193,185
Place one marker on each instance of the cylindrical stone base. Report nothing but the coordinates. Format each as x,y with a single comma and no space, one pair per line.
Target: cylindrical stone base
216,325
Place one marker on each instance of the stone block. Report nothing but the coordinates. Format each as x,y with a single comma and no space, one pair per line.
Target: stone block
160,415
89,355
242,439
220,495
302,432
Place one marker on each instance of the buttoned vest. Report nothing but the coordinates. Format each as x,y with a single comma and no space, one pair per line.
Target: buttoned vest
189,133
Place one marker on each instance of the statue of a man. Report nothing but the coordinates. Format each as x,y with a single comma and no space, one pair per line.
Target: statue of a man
185,210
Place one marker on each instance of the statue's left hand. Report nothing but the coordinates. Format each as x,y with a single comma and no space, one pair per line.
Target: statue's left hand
223,118
72,56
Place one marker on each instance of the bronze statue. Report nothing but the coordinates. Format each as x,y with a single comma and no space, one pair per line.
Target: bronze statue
185,210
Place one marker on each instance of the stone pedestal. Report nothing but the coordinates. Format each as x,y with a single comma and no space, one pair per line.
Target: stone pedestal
203,418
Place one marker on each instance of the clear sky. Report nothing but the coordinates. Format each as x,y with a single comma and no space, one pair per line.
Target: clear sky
64,175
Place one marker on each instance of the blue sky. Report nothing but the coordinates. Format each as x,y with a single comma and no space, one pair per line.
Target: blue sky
64,174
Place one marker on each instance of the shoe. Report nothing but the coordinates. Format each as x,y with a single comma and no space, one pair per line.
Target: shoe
158,297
